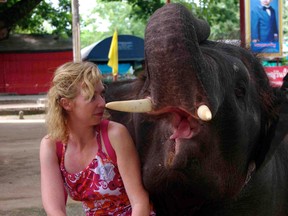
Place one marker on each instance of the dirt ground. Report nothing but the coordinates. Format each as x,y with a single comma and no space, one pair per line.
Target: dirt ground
20,173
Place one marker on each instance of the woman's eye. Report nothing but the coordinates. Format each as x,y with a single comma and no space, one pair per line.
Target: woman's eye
103,94
93,97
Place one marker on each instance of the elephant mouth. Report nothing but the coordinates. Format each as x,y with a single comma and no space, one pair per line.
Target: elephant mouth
184,127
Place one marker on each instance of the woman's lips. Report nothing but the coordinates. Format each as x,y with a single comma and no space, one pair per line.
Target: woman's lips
99,114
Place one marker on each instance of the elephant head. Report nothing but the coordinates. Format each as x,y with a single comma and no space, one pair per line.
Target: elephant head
189,161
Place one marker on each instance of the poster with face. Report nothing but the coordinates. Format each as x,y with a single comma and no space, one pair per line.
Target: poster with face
263,21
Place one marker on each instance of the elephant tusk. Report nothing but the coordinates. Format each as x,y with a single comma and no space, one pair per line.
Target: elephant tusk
137,106
204,113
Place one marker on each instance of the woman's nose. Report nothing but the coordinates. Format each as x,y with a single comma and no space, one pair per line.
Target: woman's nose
102,102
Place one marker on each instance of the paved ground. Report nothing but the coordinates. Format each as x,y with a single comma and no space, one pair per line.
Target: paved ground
28,104
19,157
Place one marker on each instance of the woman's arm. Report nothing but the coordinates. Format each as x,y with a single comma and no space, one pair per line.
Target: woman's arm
129,168
52,187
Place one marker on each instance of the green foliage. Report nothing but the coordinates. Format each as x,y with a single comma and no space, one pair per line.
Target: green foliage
113,15
61,19
224,19
129,17
142,9
32,23
222,15
285,18
57,20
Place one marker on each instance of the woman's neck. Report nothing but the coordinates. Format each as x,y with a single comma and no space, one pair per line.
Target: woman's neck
82,136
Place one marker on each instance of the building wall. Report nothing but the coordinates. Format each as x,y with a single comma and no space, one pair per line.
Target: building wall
30,73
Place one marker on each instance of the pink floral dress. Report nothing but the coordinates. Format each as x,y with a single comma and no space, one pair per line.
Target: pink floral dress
99,186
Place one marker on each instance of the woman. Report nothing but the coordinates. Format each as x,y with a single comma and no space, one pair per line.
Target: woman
95,159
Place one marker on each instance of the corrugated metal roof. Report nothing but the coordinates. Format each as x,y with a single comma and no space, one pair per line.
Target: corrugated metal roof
35,43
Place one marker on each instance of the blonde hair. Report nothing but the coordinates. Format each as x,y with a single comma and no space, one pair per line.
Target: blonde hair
65,84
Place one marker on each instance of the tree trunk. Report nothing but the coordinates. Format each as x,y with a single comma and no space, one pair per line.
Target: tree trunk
12,15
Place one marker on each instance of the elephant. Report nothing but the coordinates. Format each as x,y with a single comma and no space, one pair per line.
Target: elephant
232,162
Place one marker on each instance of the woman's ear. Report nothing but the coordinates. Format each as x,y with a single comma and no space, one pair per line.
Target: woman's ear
66,104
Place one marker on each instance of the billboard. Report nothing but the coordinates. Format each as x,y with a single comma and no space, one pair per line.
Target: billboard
276,75
263,27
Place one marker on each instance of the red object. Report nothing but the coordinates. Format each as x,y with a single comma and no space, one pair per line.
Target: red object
242,23
30,73
276,75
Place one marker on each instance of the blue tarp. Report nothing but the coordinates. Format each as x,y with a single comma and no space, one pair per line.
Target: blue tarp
130,49
122,68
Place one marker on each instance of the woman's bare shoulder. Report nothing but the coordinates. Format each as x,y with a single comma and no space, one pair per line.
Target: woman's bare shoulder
116,128
47,142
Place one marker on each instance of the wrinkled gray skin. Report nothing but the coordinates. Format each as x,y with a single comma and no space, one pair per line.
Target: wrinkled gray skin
193,167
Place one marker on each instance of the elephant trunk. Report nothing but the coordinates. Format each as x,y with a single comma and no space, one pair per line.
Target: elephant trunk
174,31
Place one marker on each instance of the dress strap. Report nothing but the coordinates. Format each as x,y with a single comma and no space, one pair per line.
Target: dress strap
59,151
108,146
60,154
98,137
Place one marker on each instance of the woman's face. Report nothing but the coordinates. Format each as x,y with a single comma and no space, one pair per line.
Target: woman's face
89,112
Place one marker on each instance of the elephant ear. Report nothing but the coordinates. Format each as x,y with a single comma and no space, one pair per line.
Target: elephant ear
277,133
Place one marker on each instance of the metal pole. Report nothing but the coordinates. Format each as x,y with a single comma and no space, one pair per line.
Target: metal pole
76,31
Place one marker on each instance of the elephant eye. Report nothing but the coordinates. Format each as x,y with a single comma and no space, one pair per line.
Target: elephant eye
240,91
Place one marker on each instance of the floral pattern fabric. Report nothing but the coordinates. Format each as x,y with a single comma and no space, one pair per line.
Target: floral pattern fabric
99,187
